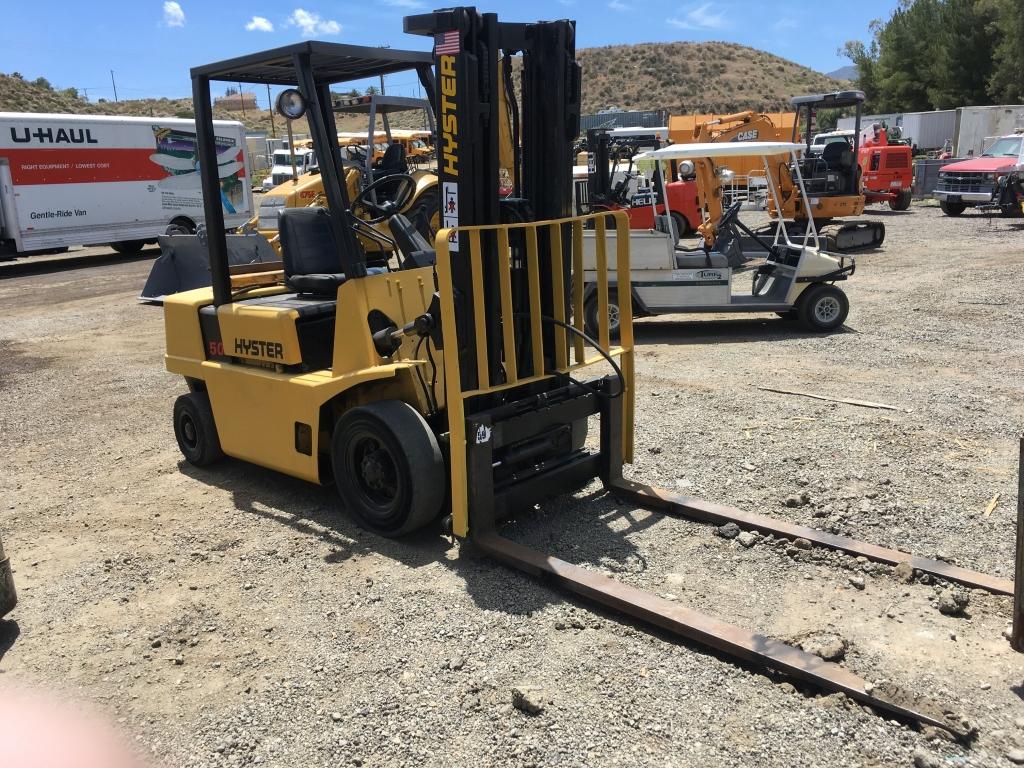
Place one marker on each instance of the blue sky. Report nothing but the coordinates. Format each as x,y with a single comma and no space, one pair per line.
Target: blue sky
150,44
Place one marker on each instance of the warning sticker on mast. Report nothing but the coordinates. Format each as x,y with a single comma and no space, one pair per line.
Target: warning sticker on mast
450,212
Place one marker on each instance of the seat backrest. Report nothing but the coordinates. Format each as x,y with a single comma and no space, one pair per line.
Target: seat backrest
393,159
308,246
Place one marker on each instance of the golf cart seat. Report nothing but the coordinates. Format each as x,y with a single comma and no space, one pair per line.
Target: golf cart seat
312,260
698,259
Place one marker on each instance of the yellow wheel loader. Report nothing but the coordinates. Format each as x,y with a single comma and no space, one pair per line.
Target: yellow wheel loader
455,381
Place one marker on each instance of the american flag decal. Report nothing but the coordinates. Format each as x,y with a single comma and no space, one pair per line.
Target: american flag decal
447,43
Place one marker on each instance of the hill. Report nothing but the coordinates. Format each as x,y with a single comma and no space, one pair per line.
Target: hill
693,77
680,77
849,72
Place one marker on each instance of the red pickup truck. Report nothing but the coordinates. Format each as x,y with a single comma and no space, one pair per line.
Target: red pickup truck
982,181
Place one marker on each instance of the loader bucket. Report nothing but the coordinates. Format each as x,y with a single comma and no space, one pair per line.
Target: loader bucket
184,262
8,597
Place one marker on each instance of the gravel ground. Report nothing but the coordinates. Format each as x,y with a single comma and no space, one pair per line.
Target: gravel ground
234,616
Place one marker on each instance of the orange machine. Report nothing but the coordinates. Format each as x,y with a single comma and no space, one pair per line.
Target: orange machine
832,177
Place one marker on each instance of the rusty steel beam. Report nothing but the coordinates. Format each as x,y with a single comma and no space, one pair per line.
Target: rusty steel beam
706,630
709,512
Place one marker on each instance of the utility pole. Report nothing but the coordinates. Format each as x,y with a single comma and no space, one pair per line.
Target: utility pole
241,99
113,83
270,106
382,85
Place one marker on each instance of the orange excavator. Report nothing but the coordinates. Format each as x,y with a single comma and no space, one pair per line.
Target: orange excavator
832,178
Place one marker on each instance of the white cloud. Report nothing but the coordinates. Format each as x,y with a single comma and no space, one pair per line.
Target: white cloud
404,3
618,5
700,17
174,16
260,24
311,24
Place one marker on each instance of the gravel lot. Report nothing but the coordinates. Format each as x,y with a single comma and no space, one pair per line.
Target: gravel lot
235,616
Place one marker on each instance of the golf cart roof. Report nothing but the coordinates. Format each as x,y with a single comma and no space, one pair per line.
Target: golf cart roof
330,63
724,149
829,100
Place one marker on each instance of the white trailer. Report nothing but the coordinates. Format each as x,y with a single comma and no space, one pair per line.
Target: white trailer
978,127
68,180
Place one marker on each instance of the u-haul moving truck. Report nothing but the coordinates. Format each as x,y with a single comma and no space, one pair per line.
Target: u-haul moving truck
87,179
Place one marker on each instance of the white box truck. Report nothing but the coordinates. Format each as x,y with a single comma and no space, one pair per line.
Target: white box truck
68,180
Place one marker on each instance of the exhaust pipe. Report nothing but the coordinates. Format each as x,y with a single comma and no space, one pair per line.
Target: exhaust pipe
8,597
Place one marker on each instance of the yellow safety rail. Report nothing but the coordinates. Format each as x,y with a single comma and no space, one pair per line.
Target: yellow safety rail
470,249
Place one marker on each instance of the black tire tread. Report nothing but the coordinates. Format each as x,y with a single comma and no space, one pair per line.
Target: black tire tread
806,303
420,449
198,406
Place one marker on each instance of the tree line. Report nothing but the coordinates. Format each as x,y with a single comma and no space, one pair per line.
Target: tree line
941,54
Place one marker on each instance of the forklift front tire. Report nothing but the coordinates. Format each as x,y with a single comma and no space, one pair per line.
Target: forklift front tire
823,308
196,430
388,467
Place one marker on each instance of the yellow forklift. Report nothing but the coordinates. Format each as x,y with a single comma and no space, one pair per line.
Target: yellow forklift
455,381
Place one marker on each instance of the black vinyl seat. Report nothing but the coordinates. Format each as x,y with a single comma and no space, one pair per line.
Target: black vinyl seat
312,257
699,259
391,162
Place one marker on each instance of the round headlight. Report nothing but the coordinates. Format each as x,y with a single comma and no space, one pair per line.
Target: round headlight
686,168
725,175
291,104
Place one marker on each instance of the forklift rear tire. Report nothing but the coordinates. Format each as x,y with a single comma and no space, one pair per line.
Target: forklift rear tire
591,319
823,308
902,201
388,467
196,430
952,209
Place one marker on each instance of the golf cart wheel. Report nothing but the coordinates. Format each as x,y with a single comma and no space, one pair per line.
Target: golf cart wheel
591,316
196,430
823,308
902,201
952,209
388,467
129,247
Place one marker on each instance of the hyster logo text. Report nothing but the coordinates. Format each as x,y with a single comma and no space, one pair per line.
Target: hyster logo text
52,136
449,118
259,348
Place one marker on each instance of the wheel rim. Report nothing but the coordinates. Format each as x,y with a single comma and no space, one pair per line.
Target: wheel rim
613,317
189,432
372,466
826,309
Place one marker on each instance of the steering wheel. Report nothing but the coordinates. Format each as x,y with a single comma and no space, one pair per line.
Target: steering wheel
400,188
728,215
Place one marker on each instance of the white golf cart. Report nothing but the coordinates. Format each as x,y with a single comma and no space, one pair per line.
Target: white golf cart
795,279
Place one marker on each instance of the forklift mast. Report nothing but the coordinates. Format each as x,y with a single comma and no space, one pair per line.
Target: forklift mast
473,97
